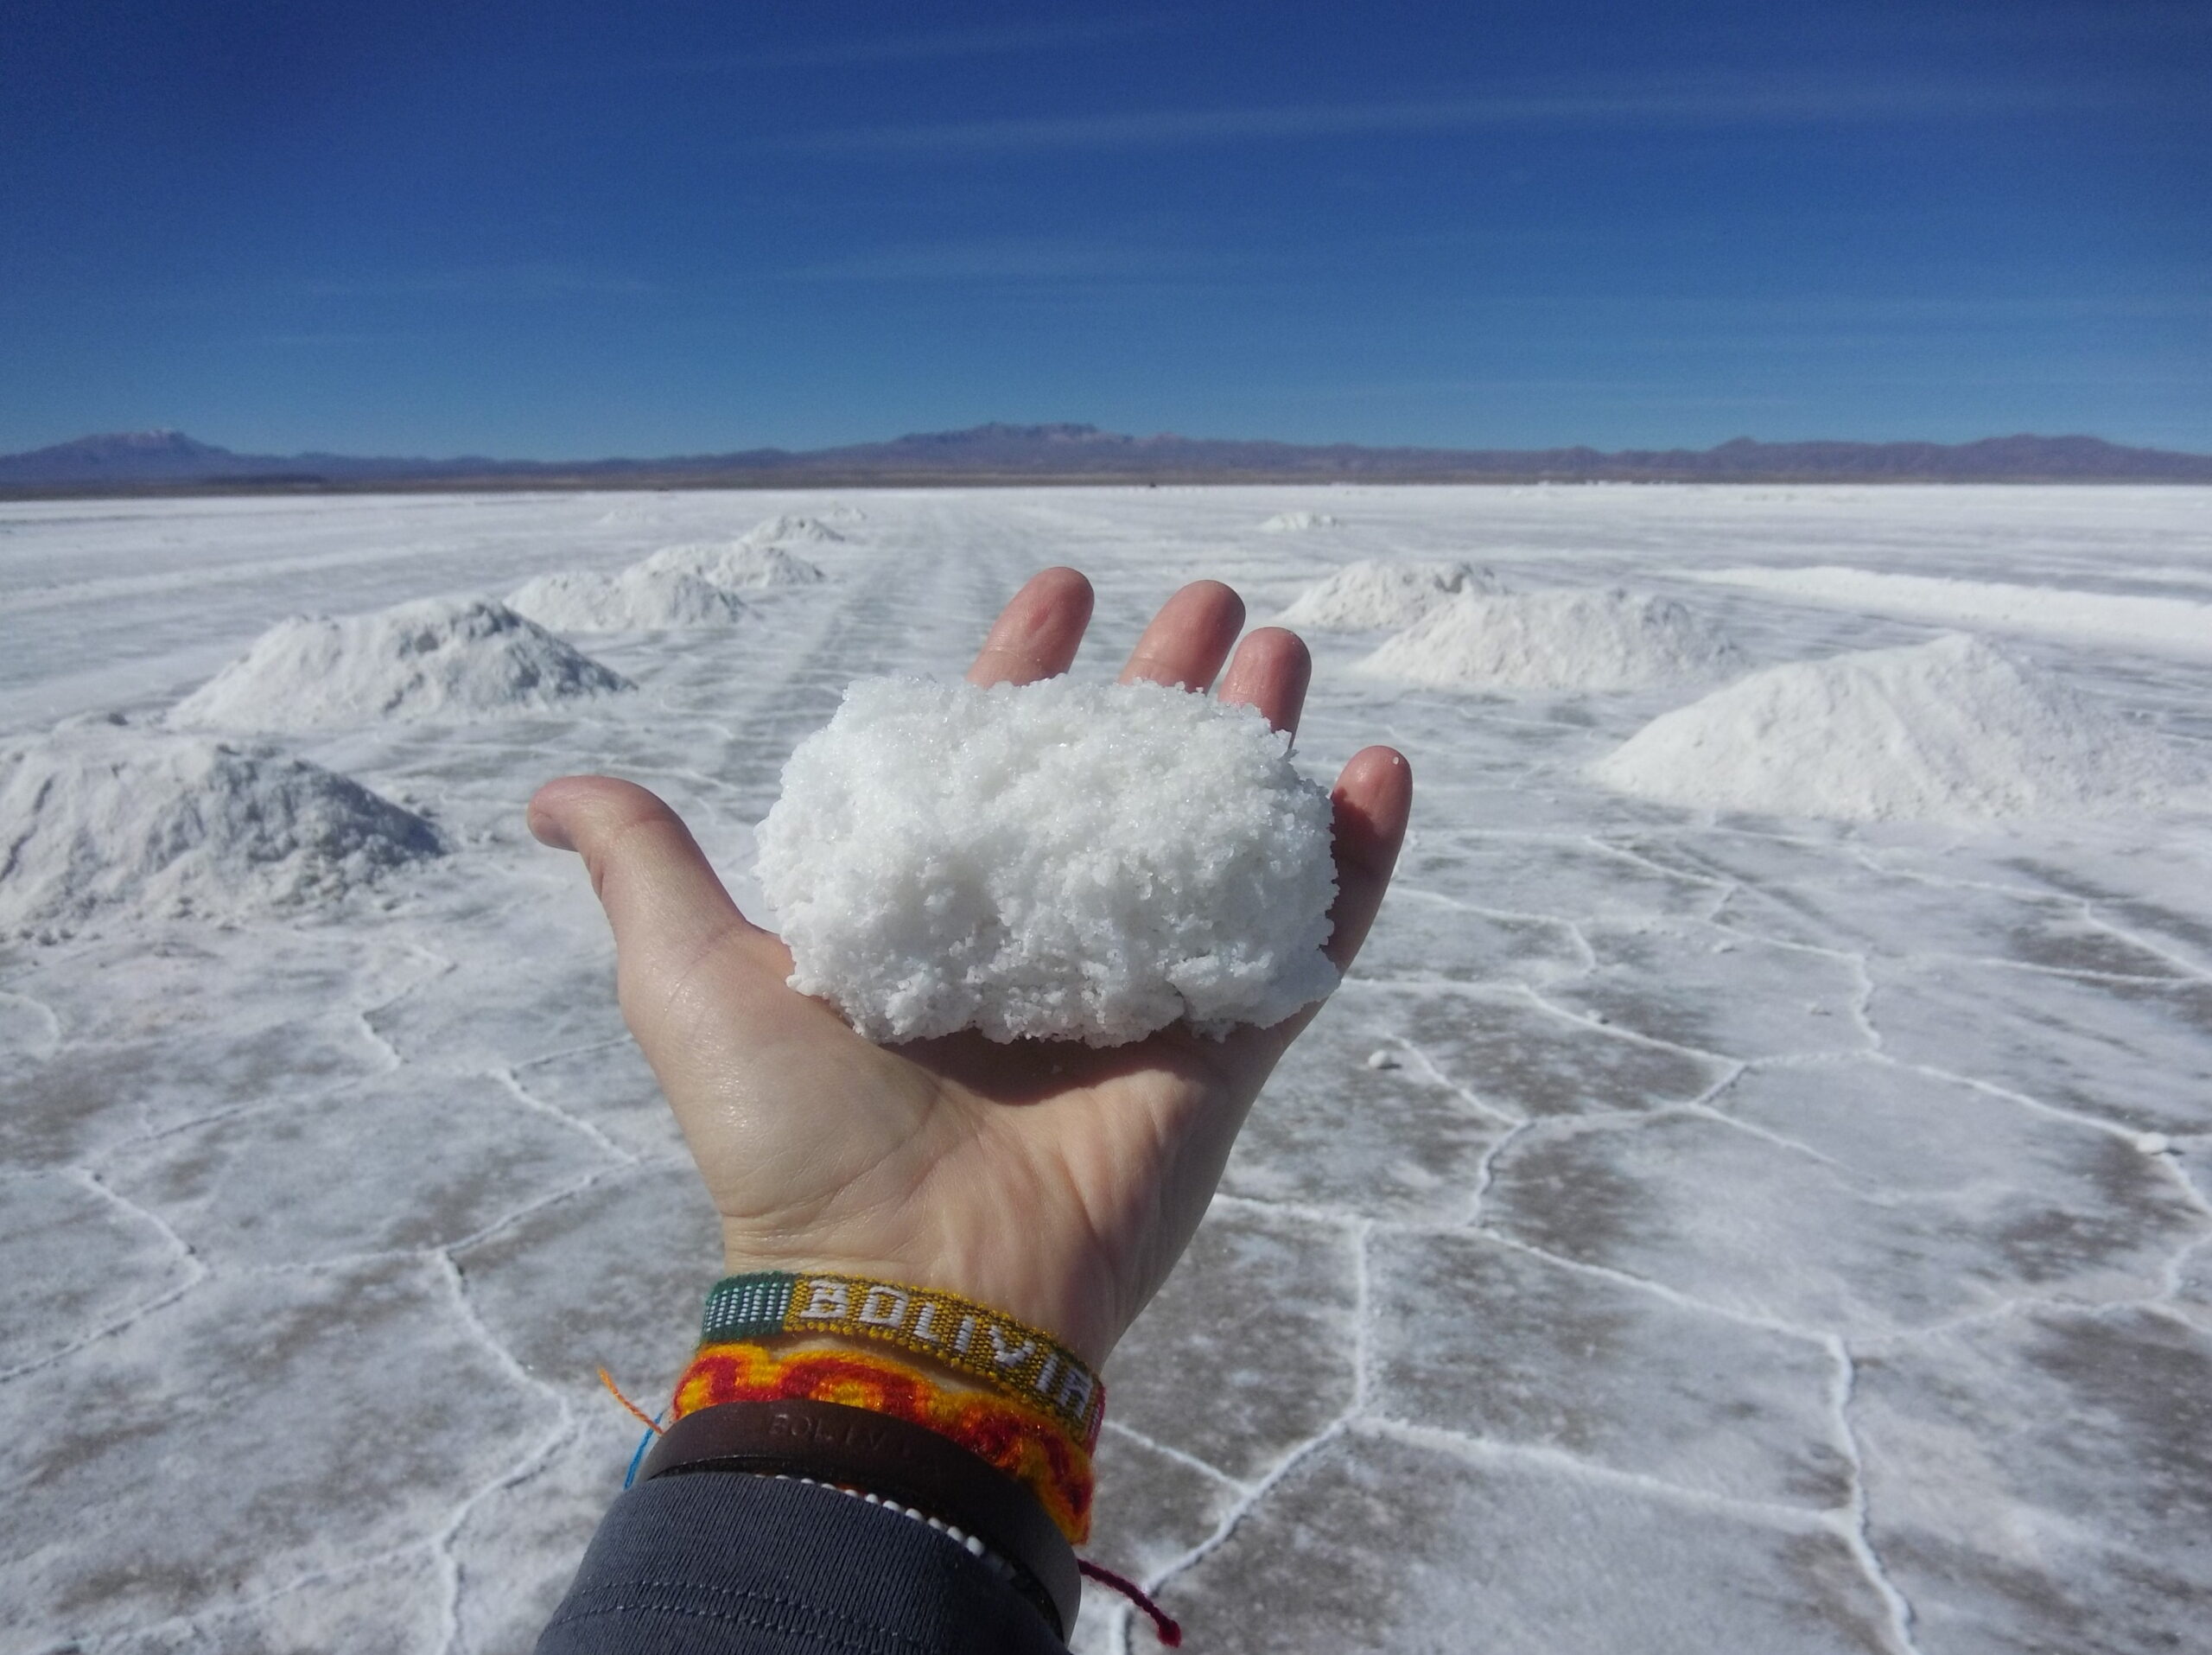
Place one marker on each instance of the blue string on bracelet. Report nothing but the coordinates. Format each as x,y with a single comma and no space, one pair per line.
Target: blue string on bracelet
638,1458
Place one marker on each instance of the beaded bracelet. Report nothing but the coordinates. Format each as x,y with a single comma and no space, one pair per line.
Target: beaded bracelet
968,1337
1025,1443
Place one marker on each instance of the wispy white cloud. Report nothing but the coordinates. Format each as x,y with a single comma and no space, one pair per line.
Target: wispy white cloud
962,43
484,281
1014,259
1714,105
1951,311
1601,390
329,339
935,45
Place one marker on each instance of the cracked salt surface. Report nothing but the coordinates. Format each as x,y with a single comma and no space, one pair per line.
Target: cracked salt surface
1757,1240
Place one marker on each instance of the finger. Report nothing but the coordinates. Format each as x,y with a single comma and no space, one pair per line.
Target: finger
1270,670
1037,634
1189,639
1373,797
663,899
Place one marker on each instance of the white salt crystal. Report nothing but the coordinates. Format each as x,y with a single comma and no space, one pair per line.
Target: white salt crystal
436,658
1369,596
1568,640
1945,731
99,815
637,599
776,531
738,563
1053,860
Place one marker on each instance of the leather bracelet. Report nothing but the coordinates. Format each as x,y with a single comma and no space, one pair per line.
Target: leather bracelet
830,1442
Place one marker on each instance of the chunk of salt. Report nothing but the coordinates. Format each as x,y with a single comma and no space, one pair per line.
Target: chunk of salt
1050,859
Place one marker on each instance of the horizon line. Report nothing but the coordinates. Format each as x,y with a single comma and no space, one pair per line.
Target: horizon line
1076,431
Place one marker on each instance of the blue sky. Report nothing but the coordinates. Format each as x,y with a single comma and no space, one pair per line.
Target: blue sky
559,230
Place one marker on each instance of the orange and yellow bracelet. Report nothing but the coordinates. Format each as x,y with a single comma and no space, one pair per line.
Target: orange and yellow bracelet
1025,1443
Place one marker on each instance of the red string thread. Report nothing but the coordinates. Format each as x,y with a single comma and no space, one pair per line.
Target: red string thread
1169,1628
645,1418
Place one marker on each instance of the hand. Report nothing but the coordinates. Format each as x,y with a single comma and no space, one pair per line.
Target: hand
1054,1181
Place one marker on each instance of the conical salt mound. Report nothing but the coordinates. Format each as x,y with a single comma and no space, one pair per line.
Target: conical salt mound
1950,731
99,815
1300,522
1582,639
1377,596
637,599
738,564
438,658
779,530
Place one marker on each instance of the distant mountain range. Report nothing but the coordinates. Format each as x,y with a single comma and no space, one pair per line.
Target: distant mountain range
158,461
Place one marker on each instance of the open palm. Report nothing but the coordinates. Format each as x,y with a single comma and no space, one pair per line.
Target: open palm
1055,1182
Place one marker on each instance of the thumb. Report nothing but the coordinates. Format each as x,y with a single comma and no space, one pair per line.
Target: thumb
664,899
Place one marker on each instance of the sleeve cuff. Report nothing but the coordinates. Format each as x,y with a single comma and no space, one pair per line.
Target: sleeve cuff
717,1563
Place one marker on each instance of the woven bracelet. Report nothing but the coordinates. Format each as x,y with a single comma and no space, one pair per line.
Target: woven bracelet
1014,1437
969,1337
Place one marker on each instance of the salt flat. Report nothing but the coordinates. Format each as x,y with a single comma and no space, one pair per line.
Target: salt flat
1757,1232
